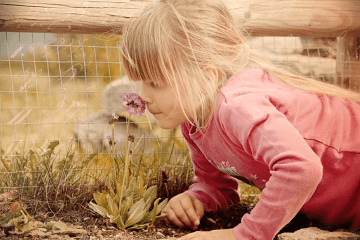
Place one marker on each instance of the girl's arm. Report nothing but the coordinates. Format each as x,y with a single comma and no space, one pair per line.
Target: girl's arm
254,123
212,187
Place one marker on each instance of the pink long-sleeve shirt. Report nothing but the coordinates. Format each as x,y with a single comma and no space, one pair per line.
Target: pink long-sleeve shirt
302,149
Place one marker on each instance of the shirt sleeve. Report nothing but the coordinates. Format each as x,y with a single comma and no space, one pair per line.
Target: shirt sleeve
253,122
212,187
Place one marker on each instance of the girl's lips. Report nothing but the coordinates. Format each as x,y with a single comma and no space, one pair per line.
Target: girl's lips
153,113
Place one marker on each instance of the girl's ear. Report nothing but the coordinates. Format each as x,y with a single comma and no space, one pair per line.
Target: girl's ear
213,73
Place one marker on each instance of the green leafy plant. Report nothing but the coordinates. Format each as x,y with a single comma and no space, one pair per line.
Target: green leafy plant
129,204
129,207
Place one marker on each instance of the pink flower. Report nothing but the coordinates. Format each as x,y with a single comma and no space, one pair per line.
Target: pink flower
133,103
114,118
110,140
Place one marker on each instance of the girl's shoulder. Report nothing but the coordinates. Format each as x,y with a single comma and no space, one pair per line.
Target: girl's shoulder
254,81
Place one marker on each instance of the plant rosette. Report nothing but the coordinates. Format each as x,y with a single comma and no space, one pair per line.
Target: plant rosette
129,204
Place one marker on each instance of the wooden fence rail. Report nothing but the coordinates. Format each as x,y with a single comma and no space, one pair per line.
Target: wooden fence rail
318,18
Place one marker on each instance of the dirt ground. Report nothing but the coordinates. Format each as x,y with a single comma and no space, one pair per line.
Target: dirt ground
98,227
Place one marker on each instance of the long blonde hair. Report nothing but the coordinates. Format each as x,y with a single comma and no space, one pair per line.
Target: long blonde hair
175,41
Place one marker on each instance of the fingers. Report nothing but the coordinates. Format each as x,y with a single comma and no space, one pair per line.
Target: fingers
199,207
188,214
173,218
184,210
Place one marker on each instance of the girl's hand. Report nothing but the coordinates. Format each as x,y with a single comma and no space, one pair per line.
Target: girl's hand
184,210
227,234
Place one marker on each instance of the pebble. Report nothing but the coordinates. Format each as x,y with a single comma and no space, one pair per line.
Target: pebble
314,233
160,234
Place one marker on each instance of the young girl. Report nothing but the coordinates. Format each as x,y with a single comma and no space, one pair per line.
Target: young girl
296,139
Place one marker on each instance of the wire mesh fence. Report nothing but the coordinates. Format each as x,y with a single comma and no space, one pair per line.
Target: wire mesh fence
65,87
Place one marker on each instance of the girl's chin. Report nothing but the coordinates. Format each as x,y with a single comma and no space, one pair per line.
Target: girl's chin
166,124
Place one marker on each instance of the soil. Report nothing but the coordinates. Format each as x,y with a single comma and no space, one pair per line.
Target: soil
98,227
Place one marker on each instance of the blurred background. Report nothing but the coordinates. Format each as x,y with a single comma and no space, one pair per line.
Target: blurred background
52,85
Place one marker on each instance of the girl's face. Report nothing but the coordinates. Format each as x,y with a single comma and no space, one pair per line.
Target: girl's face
162,103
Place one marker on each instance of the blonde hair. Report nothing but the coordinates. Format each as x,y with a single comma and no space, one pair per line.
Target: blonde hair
175,41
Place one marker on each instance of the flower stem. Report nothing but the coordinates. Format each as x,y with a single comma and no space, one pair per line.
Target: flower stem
125,173
126,169
113,149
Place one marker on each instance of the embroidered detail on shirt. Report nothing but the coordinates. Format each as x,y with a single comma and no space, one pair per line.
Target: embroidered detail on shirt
254,176
226,168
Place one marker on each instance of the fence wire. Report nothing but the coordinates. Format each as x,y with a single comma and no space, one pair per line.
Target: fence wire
64,87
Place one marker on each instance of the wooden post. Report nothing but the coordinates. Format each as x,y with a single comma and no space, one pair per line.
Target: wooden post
347,62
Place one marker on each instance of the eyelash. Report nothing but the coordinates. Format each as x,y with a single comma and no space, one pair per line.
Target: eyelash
153,85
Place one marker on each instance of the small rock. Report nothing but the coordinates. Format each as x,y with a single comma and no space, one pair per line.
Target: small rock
160,234
314,233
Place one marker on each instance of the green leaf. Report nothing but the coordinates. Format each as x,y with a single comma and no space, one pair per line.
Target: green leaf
126,205
130,189
111,206
136,213
160,217
140,181
112,192
154,210
151,216
148,204
161,206
118,192
118,221
100,210
138,205
137,194
140,226
97,196
150,192
100,198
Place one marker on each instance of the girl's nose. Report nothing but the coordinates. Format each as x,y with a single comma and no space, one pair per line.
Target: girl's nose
144,94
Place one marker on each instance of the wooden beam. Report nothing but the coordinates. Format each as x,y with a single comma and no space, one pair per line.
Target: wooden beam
318,18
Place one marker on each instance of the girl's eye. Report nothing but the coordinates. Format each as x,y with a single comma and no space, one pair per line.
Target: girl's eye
153,85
